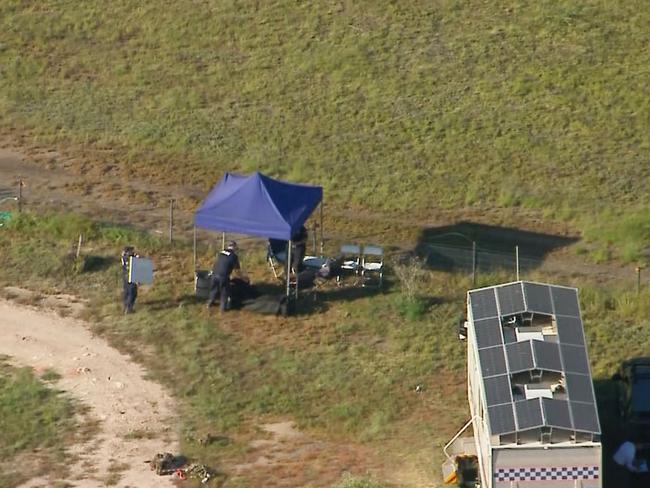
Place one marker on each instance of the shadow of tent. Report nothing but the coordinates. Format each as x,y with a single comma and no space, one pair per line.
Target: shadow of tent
451,246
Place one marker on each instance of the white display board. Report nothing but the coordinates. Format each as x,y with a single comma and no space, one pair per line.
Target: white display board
140,270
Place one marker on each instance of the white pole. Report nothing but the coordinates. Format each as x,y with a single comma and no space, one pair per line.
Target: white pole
517,258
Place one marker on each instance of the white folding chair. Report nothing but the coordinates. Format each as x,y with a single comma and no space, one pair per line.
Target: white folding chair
372,264
351,254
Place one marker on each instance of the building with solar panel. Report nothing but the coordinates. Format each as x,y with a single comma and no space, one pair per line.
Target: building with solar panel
530,390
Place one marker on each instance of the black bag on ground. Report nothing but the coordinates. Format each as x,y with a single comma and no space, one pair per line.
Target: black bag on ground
269,305
306,279
240,291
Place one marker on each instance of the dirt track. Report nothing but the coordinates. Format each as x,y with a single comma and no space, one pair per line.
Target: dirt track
113,386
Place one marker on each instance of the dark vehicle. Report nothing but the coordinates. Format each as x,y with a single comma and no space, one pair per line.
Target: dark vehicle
634,398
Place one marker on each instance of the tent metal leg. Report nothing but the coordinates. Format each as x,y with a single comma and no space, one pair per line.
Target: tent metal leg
322,241
194,254
289,269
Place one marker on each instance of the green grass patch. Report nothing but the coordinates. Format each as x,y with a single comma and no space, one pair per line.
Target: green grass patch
31,415
538,105
623,234
36,422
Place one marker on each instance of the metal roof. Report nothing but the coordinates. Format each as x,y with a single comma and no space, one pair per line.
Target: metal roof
501,356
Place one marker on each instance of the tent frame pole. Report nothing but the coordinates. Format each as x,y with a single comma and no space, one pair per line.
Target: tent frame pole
194,249
322,241
289,269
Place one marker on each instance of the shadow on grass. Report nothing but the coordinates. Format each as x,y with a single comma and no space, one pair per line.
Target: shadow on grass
451,246
170,302
92,263
310,301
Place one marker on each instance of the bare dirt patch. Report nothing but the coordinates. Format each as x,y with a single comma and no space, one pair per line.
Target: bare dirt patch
111,385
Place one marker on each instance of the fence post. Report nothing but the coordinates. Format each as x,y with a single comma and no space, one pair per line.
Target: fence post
638,279
171,220
473,263
20,194
81,238
517,260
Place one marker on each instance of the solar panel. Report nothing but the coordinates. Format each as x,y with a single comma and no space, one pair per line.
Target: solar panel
585,417
484,304
497,390
570,330
488,332
565,301
502,420
493,361
520,356
529,414
547,356
489,307
538,298
574,359
580,388
556,413
511,299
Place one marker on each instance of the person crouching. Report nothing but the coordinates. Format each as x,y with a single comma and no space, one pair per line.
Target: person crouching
225,263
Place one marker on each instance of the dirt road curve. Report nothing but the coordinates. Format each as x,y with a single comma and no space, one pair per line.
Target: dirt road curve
133,413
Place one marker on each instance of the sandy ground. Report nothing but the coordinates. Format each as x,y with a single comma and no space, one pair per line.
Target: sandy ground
129,408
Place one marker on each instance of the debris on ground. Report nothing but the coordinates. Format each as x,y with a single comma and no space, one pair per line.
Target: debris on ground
166,463
163,463
199,471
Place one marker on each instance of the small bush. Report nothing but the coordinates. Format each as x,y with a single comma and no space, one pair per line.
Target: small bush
411,308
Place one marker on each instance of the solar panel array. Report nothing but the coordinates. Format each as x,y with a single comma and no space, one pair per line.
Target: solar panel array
499,360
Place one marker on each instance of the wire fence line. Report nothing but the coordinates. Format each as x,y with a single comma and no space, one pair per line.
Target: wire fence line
475,259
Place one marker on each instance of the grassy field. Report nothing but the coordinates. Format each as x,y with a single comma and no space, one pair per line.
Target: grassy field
36,424
394,107
346,370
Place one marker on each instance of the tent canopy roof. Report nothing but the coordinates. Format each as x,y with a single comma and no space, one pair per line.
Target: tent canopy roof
257,205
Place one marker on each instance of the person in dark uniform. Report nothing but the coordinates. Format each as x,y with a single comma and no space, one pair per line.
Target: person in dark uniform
298,249
226,262
130,290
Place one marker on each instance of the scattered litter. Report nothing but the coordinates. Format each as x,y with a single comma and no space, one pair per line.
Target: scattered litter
199,471
168,464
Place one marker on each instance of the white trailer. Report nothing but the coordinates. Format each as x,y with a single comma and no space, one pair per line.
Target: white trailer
533,408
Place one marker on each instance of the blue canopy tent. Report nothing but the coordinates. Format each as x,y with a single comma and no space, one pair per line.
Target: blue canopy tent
258,205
